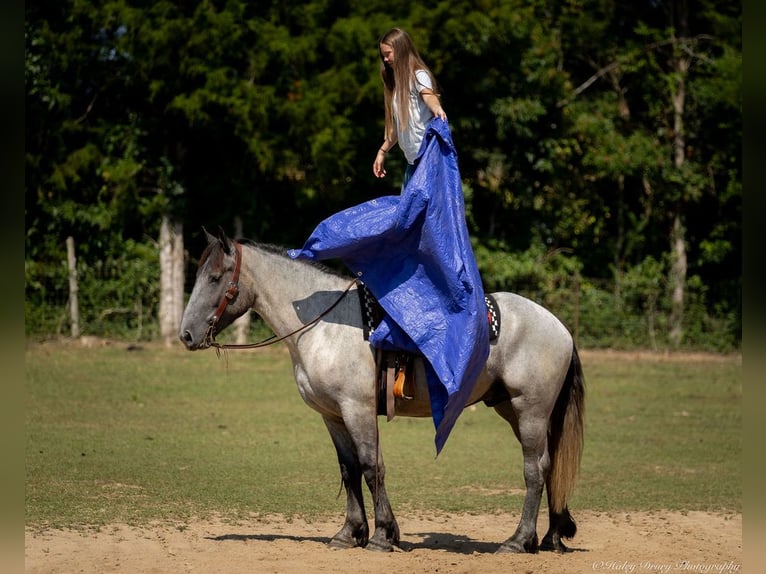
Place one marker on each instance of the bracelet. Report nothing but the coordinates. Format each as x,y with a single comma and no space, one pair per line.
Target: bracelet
385,151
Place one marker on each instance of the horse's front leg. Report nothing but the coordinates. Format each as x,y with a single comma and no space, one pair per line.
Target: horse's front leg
386,534
355,531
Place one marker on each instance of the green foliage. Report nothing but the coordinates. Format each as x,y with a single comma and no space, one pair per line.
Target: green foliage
535,271
634,313
562,113
118,295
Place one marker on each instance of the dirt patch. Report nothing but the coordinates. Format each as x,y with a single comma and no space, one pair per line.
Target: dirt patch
640,542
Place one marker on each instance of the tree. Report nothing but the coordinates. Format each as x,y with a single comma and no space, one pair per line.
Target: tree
171,249
592,128
645,63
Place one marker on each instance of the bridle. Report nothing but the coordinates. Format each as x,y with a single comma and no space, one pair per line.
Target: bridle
228,296
233,289
232,292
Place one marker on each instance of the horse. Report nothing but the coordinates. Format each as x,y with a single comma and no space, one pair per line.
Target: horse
533,379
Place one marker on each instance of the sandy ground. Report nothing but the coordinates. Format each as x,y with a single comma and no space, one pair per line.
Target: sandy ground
640,542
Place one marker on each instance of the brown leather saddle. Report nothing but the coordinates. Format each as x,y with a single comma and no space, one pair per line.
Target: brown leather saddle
394,370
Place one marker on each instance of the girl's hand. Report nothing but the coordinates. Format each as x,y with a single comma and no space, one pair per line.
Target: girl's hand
377,166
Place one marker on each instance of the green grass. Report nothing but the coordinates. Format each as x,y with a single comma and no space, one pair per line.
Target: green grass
158,434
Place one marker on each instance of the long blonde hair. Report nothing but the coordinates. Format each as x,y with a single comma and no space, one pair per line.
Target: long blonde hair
407,61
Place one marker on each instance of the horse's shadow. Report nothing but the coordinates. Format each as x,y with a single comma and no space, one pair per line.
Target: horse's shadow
430,540
454,543
268,538
457,544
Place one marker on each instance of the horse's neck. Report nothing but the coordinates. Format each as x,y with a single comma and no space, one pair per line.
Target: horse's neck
276,282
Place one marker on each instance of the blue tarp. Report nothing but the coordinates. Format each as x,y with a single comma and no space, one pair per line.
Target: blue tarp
413,252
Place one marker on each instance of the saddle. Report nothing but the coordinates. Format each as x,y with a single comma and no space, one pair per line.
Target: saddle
394,370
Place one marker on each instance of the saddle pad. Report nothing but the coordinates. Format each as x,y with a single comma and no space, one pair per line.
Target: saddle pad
372,313
493,316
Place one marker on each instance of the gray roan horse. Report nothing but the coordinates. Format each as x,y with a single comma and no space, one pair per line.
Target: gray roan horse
533,380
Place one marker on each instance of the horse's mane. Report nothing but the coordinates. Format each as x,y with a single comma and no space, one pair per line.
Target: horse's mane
214,252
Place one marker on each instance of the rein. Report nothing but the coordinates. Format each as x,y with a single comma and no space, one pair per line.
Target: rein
232,291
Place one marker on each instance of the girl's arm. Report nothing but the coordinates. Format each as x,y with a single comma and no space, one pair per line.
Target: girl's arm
380,157
433,103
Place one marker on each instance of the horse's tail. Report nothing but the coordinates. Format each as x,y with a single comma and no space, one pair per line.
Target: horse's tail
565,440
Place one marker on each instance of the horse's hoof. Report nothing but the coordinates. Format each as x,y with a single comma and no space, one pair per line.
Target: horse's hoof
342,543
516,547
379,546
548,545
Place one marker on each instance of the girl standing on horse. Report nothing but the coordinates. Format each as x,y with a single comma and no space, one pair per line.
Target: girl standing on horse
410,98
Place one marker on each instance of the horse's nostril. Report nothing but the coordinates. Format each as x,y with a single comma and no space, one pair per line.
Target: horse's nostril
187,338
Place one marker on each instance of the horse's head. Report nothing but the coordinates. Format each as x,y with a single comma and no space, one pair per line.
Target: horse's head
215,301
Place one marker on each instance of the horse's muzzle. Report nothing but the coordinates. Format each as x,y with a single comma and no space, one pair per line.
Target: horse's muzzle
193,344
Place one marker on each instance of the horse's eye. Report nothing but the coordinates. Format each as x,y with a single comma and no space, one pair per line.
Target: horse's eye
215,278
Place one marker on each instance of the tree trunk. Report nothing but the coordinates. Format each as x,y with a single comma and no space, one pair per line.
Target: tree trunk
619,241
677,281
680,63
74,306
179,275
171,279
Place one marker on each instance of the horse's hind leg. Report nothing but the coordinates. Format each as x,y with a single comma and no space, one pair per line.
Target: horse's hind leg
532,434
561,525
355,531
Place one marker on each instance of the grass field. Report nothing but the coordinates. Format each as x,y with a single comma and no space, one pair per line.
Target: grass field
119,435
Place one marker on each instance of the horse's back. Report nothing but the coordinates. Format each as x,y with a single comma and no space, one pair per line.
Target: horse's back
523,318
534,347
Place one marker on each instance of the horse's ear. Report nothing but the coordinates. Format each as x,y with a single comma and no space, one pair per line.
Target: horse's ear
225,241
210,238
